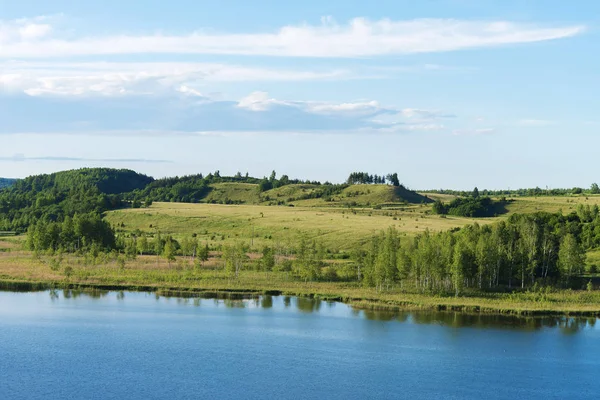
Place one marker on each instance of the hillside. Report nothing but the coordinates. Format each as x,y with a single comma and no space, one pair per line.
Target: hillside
6,182
52,197
362,195
105,180
338,229
216,189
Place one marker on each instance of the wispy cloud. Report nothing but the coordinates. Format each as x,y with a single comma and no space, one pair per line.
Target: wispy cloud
261,101
191,112
22,158
359,37
122,78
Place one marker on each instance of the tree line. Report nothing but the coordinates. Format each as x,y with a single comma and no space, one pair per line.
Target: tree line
364,178
524,251
530,192
472,207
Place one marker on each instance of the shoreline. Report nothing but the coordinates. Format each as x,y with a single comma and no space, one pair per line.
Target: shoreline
433,303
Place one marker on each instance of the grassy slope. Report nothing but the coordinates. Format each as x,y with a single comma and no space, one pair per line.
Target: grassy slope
244,192
337,228
567,204
358,195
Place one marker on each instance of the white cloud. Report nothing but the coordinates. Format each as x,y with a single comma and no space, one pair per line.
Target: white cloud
423,114
258,101
532,123
358,38
189,91
113,78
358,108
24,30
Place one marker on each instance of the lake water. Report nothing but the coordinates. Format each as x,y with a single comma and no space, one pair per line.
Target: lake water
66,345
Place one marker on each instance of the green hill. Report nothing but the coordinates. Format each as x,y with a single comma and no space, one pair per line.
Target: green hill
51,197
105,180
346,195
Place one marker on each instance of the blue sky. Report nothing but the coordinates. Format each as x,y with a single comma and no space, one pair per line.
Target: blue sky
448,93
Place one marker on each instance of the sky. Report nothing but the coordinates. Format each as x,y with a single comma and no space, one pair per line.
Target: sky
448,93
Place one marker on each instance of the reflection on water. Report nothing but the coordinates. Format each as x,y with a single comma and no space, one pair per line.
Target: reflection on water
567,325
307,304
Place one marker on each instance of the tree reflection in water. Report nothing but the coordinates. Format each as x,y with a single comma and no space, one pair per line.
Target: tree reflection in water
567,325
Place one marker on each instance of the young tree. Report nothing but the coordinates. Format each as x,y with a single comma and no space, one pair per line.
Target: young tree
131,248
142,245
169,251
234,257
158,247
268,259
461,263
571,258
203,253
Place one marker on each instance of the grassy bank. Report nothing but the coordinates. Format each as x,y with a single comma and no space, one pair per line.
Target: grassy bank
21,271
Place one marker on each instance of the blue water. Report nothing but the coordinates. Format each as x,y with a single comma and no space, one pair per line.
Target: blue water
64,345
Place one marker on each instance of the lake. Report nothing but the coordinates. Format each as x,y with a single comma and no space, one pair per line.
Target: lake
128,345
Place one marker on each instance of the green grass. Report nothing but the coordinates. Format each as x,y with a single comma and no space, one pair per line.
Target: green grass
238,192
338,229
297,194
551,204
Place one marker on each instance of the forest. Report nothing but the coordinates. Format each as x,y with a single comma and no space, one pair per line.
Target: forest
527,250
53,197
6,182
531,192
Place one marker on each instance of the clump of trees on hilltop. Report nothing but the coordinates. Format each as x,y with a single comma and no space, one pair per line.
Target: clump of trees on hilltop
364,178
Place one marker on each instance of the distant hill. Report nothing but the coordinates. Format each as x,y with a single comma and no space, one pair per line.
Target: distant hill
52,197
106,180
363,195
301,194
6,182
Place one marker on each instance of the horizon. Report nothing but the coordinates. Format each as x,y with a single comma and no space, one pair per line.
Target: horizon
321,181
448,93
